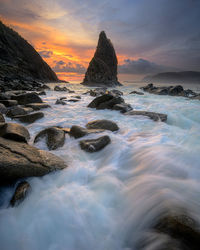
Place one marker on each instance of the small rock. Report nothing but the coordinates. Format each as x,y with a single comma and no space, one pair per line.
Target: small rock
3,108
152,115
115,92
38,106
58,88
73,100
61,102
103,124
77,131
55,137
28,98
20,194
2,118
29,118
136,92
95,145
77,96
15,132
124,107
41,93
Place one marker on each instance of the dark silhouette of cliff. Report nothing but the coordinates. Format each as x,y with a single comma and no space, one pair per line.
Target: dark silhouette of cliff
19,60
102,69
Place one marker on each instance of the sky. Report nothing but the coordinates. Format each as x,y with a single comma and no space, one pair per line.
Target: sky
149,36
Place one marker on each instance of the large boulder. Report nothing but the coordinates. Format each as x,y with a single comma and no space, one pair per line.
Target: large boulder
27,98
102,124
20,194
106,101
94,145
17,110
9,103
152,115
20,160
102,70
54,137
14,131
29,118
77,131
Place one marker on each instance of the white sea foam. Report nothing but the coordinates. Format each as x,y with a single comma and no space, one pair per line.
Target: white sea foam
105,200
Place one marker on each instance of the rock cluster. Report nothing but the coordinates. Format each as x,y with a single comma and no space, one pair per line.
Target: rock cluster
102,69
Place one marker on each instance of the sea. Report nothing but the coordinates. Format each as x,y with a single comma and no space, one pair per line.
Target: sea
110,199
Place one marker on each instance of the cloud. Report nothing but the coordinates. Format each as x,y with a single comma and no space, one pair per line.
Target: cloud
46,54
69,67
142,66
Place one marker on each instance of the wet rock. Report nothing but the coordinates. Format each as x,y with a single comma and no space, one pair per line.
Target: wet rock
41,93
73,100
15,132
21,191
29,118
77,131
4,96
102,69
3,108
61,102
95,145
58,88
124,107
115,92
20,160
197,97
97,91
2,118
55,137
27,98
106,101
136,92
152,115
17,110
9,103
77,96
38,106
176,90
102,124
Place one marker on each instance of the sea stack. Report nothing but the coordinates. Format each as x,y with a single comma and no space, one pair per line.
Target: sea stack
102,70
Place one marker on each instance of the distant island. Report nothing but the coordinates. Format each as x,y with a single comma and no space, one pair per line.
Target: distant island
174,77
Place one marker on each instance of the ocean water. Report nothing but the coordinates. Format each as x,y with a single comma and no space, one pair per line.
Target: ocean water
109,199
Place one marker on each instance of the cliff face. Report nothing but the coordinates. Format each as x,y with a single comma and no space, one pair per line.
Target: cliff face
19,60
102,69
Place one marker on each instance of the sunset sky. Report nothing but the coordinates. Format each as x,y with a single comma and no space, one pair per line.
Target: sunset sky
149,36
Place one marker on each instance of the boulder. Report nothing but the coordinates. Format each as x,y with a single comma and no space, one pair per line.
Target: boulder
152,115
29,118
9,103
3,108
115,92
20,160
77,131
136,92
97,91
38,106
58,88
124,107
27,98
2,118
55,137
17,110
15,132
106,101
21,191
177,90
102,124
95,145
61,102
102,70
41,93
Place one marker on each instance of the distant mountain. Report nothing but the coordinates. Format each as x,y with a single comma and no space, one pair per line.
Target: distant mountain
19,60
175,77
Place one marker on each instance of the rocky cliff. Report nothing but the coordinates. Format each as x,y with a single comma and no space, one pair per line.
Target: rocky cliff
19,60
102,69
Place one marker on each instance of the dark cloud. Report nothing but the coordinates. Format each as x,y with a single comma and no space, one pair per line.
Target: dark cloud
142,66
69,67
46,53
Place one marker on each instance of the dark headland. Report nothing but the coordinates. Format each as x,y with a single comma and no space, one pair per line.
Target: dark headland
20,63
102,69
